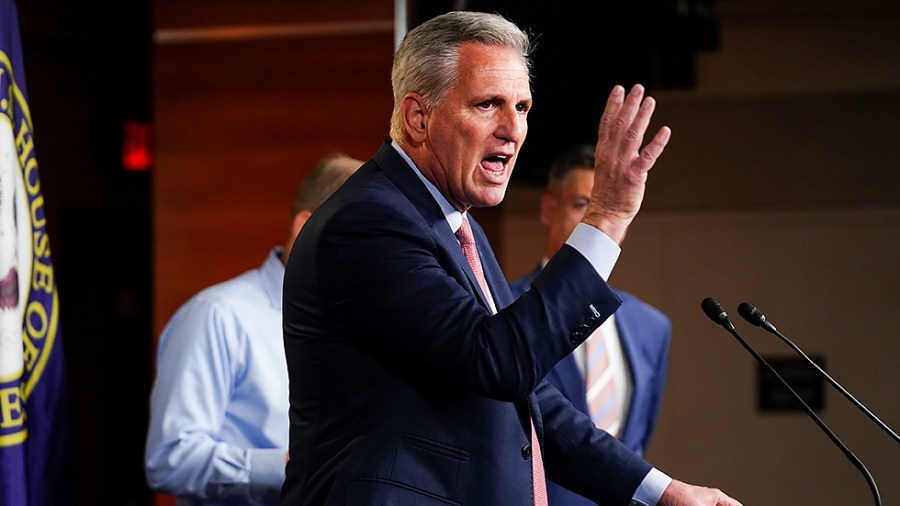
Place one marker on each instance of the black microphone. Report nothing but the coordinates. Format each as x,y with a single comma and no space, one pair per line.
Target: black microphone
715,313
753,315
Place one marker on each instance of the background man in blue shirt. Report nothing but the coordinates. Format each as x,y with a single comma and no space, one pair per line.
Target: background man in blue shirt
218,409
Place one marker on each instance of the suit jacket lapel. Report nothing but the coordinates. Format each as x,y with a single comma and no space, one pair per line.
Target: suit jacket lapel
493,274
409,183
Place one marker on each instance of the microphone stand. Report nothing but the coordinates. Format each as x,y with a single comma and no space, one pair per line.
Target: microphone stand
715,312
755,317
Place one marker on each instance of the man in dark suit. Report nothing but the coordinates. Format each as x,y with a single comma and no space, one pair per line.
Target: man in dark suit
637,334
414,376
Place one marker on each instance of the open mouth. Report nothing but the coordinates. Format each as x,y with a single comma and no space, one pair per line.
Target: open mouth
494,167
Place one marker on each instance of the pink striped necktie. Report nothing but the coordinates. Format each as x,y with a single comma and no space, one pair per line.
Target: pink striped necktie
600,381
467,242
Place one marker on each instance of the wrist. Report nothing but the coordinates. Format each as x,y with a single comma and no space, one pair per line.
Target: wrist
614,228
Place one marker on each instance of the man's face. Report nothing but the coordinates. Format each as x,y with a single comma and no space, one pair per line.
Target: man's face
563,209
475,133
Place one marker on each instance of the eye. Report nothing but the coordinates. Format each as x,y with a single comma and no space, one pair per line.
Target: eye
523,107
487,104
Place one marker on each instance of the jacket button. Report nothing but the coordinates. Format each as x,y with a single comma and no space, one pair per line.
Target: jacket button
526,452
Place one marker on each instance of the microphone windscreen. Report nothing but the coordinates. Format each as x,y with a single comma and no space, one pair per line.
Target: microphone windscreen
713,310
751,314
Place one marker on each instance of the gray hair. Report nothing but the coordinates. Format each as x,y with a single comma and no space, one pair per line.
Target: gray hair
325,178
427,60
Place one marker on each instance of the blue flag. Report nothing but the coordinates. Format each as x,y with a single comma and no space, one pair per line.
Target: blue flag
35,465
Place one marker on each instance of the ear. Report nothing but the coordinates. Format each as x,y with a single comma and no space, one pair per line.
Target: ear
415,117
548,207
298,222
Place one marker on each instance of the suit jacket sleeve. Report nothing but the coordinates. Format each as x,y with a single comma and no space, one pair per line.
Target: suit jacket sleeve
396,285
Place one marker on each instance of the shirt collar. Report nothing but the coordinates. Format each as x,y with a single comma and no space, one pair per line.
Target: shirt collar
272,271
453,217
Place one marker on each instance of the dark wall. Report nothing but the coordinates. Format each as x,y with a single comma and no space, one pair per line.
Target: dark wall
583,49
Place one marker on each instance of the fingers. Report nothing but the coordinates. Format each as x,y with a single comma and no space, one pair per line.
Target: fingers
613,104
623,125
722,499
727,501
679,493
621,165
637,125
619,112
653,149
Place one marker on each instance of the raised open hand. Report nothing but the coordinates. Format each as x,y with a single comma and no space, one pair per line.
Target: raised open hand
622,165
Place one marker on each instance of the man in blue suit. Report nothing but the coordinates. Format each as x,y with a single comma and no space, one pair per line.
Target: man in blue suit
415,377
639,332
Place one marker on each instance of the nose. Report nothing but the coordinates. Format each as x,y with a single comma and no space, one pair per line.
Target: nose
513,126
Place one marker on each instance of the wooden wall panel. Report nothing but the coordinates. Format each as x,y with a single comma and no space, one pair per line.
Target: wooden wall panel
247,98
239,122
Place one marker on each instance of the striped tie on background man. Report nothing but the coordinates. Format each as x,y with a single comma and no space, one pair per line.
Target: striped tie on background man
602,388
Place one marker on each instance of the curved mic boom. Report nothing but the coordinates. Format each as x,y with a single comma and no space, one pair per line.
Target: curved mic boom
753,315
715,313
